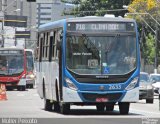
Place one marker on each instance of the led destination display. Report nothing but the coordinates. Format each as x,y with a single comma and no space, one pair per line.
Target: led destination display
100,27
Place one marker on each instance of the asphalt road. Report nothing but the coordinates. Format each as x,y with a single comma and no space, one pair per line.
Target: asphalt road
27,104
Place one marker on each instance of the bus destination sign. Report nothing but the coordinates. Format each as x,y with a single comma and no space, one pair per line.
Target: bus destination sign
96,27
10,52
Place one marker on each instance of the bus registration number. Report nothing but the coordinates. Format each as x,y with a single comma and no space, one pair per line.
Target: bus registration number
115,87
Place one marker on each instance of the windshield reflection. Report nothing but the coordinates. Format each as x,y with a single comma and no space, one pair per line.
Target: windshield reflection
101,54
30,62
11,64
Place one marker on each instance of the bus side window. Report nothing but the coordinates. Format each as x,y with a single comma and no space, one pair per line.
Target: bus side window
43,47
40,47
46,47
53,45
58,41
50,37
36,50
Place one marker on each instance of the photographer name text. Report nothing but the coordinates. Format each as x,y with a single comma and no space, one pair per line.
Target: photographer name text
19,121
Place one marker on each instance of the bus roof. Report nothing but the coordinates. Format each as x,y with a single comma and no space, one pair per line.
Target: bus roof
99,19
60,23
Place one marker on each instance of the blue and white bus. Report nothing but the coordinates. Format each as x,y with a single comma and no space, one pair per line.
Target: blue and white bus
88,61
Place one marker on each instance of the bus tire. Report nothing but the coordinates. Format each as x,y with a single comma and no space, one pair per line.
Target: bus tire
18,88
124,108
149,100
31,86
100,107
64,108
110,107
21,88
56,104
47,104
9,88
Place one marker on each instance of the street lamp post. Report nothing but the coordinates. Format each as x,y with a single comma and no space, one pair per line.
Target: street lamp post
154,31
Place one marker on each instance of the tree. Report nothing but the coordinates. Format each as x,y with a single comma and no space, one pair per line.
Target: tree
139,10
97,7
149,51
145,6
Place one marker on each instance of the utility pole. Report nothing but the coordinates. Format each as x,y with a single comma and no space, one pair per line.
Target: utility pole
21,14
21,8
156,39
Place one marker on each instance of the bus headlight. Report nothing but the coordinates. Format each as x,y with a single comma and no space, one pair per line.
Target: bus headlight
70,84
132,84
30,77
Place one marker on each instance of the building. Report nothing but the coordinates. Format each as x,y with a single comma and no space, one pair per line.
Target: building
24,9
38,13
51,10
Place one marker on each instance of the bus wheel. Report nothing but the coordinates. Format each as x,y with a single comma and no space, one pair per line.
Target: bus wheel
9,88
149,100
56,106
100,107
124,108
31,86
64,108
47,104
110,107
21,88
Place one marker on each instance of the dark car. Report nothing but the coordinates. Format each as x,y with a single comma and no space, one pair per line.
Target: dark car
146,90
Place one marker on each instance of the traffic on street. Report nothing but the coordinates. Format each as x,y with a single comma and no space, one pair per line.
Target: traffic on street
27,104
79,61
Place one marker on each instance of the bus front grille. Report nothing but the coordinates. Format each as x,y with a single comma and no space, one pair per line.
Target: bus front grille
111,97
102,81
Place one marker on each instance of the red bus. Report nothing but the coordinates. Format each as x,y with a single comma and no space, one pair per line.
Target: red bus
13,68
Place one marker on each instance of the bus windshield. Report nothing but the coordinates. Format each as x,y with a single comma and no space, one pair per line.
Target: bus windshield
101,54
30,63
11,64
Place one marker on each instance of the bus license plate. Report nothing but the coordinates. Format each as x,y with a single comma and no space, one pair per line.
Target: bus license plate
101,99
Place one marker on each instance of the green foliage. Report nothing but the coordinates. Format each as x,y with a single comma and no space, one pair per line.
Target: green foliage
152,7
149,52
145,6
97,7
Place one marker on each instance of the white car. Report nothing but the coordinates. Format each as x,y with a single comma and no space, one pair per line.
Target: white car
146,90
155,78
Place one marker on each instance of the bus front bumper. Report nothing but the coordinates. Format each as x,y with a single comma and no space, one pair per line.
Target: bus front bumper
73,96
